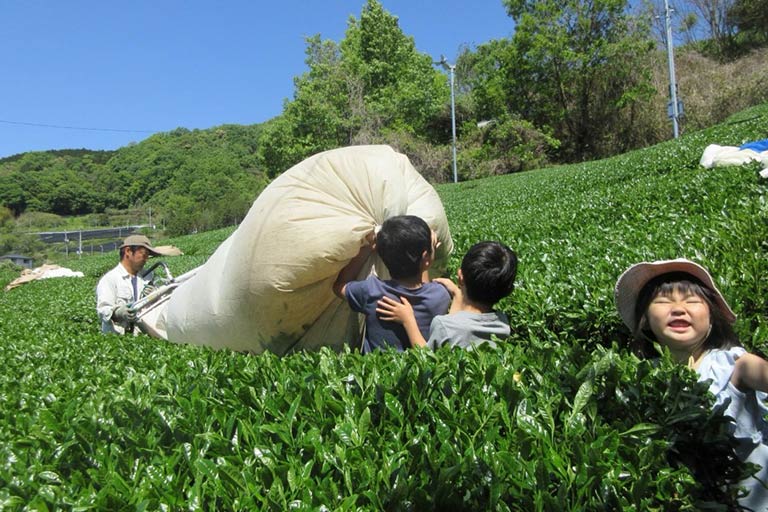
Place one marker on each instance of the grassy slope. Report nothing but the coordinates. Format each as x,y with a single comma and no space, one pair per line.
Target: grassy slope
576,228
551,420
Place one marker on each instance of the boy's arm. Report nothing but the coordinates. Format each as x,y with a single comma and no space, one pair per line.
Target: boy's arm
457,296
352,269
401,312
751,372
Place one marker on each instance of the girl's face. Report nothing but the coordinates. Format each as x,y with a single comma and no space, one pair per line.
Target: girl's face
679,320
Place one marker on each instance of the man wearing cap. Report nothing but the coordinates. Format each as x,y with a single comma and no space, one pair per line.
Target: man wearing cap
123,285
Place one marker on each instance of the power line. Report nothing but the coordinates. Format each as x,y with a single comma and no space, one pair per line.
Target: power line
60,127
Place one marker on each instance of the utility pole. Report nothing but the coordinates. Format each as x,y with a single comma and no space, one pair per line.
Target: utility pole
674,109
451,68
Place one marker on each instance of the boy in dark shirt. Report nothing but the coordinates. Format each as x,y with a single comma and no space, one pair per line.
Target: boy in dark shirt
407,246
486,276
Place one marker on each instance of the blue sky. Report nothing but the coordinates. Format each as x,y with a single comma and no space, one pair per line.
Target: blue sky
120,71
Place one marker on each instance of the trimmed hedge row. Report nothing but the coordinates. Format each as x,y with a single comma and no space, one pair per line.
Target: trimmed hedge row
561,416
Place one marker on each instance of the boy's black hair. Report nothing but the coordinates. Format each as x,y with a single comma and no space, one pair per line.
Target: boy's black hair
401,242
489,270
720,336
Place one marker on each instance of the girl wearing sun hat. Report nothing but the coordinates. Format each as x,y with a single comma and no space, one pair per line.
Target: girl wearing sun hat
676,304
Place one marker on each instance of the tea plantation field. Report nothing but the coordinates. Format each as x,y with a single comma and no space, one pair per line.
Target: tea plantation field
560,417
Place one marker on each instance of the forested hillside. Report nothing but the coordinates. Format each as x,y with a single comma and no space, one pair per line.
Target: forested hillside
206,178
555,91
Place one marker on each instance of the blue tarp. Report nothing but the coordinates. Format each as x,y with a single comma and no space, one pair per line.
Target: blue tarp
758,145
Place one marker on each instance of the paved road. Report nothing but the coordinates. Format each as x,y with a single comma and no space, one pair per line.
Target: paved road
89,234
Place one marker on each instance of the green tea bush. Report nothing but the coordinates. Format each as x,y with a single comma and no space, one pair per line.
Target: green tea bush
560,417
576,228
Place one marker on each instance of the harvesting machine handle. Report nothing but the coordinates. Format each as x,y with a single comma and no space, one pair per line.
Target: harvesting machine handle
168,275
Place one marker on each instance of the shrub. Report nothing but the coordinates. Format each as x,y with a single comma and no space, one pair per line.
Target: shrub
433,162
503,146
560,417
709,90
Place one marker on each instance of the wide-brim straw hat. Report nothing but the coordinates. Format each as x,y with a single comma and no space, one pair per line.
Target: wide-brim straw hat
632,281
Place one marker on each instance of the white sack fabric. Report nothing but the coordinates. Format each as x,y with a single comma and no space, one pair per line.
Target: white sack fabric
268,287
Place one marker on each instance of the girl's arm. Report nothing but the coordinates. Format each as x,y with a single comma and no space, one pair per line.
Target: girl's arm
401,312
751,372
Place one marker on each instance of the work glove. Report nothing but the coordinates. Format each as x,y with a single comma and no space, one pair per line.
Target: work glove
123,314
147,290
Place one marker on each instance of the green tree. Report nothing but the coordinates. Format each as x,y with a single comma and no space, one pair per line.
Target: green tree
318,118
720,26
372,83
400,86
280,148
180,215
12,193
579,67
751,18
489,72
6,218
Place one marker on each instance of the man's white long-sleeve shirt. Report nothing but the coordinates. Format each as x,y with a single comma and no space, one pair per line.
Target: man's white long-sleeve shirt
114,290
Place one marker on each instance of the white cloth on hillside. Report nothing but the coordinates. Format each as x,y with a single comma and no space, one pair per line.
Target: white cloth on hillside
747,408
715,155
43,272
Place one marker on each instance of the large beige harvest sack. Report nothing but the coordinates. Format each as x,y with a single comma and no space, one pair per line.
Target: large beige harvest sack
269,285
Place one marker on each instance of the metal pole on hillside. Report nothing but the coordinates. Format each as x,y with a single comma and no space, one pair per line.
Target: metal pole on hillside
451,69
674,108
